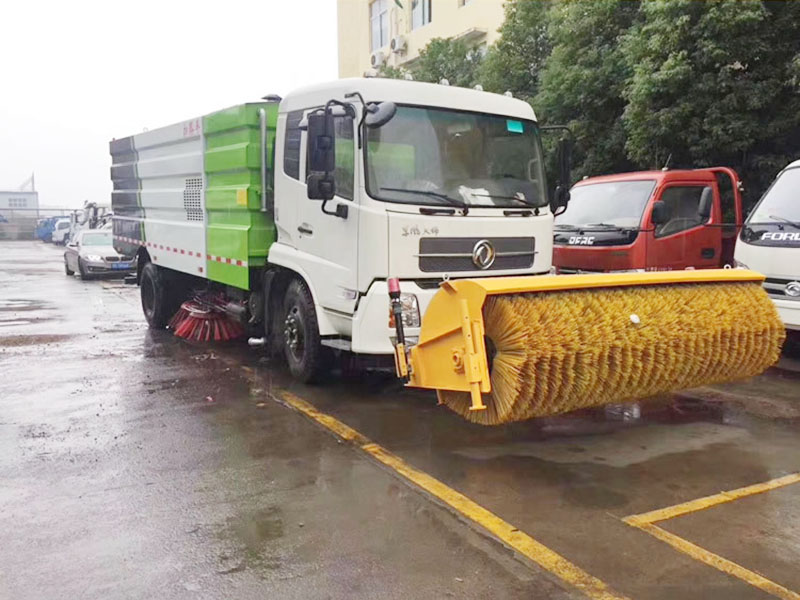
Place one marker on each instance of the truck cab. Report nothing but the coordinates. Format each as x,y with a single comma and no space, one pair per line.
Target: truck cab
650,220
451,185
770,244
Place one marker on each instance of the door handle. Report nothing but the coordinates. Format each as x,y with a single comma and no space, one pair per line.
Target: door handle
306,229
707,252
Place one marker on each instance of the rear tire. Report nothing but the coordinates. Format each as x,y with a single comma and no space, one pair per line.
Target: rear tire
159,301
300,332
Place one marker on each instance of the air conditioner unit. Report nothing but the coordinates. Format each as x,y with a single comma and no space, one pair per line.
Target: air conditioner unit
398,44
378,59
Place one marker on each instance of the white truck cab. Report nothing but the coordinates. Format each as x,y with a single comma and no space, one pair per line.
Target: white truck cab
450,186
770,243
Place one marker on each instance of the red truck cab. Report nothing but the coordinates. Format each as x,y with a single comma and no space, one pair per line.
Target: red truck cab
650,220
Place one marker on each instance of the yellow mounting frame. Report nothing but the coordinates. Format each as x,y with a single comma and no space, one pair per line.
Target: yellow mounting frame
451,354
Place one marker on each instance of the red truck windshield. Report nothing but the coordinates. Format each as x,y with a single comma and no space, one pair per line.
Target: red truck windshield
617,203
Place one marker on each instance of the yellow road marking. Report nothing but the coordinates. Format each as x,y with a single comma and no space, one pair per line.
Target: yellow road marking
709,501
716,561
645,522
511,536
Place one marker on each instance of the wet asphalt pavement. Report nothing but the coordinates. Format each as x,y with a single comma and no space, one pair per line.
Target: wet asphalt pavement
137,465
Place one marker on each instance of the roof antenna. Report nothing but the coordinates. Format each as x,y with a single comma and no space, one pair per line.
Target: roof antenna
666,164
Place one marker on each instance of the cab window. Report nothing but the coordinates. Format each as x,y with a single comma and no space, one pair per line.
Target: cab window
345,156
682,204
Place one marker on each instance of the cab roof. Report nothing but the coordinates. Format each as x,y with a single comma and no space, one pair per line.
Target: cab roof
701,175
402,91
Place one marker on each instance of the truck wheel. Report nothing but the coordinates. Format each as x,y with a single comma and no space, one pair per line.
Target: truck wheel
158,301
82,270
301,345
67,270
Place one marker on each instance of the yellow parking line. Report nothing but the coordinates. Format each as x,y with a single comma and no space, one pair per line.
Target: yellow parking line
709,501
511,536
645,522
718,562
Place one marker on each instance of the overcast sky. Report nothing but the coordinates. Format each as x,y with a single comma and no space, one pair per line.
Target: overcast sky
76,73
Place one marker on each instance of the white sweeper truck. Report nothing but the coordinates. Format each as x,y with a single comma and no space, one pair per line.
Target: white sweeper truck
397,218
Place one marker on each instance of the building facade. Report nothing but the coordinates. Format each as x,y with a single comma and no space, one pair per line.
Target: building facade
374,33
18,213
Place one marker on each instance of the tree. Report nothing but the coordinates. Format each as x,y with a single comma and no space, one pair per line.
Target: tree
715,82
442,58
582,81
516,59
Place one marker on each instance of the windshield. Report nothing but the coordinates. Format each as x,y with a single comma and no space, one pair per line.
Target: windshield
96,239
782,200
446,157
615,203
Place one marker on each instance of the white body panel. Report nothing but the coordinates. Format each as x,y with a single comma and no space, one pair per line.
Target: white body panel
781,266
169,170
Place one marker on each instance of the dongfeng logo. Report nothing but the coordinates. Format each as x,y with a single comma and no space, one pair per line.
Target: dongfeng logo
581,240
483,254
793,289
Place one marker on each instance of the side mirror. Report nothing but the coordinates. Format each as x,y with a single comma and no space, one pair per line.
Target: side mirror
321,156
706,202
379,115
660,214
562,194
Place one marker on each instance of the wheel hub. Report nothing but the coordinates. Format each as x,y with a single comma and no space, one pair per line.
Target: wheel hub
293,332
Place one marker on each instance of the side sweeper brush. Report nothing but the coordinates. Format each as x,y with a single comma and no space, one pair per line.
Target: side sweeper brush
507,349
203,320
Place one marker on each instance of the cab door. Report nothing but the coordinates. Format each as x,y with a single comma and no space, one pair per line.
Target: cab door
686,239
328,244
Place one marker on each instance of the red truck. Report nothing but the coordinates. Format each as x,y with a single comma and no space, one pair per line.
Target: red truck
650,220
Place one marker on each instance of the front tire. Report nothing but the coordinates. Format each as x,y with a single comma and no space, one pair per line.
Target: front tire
67,270
159,302
82,270
301,342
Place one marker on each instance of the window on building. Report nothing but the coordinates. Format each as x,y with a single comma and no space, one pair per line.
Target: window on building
291,146
420,13
379,24
17,202
682,204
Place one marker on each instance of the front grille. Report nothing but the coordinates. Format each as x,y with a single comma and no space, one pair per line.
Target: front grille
112,258
776,287
448,255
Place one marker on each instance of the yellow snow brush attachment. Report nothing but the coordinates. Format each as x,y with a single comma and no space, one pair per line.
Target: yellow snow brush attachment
506,349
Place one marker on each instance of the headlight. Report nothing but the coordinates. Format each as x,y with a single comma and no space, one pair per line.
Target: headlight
740,265
410,311
94,258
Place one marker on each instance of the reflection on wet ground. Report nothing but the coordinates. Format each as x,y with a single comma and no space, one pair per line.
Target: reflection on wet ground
171,472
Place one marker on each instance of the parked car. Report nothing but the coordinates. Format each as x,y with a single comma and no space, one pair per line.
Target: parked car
61,232
92,253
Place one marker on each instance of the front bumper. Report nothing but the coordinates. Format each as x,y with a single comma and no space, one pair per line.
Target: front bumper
108,268
789,311
371,331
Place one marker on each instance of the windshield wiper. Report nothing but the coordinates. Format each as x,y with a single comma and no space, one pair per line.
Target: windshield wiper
605,226
492,196
454,201
794,224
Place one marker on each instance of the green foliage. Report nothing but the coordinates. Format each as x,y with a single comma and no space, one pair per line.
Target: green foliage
516,59
448,58
715,83
442,58
583,79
